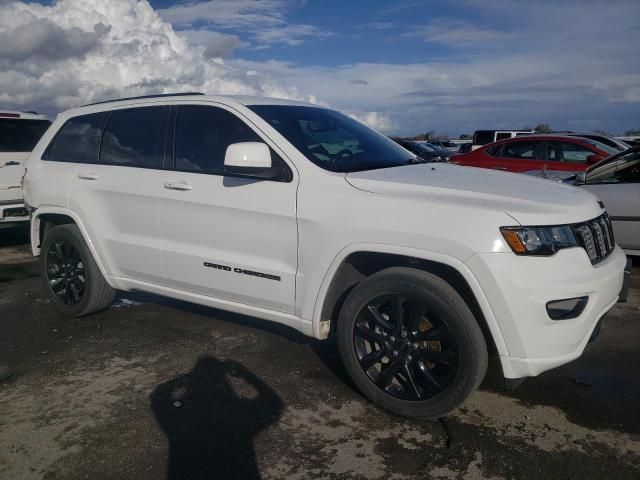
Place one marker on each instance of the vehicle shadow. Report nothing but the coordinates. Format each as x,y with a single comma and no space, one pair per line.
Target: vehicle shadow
211,416
325,350
12,235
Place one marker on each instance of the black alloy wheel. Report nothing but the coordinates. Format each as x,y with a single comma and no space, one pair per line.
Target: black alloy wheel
70,273
410,342
65,272
406,349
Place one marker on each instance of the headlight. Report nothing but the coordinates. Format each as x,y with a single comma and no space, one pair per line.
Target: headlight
538,240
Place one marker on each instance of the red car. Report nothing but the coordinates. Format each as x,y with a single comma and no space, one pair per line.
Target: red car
536,152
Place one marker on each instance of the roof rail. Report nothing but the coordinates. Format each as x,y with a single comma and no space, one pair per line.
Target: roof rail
160,95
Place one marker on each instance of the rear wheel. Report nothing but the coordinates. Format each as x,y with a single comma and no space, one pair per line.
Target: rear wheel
72,278
410,343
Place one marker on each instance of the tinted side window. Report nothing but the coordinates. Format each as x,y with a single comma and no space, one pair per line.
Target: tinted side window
503,135
21,135
134,137
78,140
567,152
203,135
521,150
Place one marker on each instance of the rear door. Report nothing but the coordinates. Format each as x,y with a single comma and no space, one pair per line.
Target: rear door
117,196
227,237
520,156
17,139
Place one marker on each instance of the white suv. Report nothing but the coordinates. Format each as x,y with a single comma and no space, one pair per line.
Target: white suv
297,214
19,133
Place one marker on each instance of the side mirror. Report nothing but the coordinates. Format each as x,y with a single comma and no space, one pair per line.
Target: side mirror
581,178
249,159
593,158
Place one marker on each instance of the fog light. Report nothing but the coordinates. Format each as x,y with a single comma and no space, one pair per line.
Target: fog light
567,308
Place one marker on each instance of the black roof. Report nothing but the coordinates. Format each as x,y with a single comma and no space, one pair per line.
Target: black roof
160,95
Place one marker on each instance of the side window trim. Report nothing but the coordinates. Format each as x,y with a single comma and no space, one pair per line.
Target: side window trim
170,139
102,129
286,177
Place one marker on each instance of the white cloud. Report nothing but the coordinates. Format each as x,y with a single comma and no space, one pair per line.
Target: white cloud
623,88
293,34
570,63
380,121
263,21
458,33
225,13
105,49
214,44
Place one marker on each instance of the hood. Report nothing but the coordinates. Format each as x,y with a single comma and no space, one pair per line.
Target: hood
529,200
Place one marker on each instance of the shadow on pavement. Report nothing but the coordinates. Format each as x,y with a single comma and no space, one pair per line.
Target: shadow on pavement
12,235
211,416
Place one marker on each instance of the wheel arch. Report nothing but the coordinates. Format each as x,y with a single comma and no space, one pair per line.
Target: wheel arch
46,216
356,263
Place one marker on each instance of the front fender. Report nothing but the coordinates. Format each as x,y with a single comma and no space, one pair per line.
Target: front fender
320,329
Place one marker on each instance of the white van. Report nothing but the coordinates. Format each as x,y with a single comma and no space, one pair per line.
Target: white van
19,133
484,137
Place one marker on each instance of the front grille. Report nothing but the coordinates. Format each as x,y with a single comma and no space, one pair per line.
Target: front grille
596,237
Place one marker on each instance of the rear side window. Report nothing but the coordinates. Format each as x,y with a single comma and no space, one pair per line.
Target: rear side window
78,140
202,136
134,137
567,152
21,135
521,150
503,135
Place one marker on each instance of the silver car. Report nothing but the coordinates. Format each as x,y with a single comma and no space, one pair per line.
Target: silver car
616,182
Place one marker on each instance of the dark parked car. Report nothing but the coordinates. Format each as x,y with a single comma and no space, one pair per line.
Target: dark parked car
537,152
426,151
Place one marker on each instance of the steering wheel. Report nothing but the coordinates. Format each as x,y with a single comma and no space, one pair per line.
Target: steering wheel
343,155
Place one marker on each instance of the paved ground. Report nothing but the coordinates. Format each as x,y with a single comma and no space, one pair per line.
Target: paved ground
153,388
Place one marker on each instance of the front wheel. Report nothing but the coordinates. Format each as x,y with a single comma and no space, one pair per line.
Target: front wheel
410,343
70,274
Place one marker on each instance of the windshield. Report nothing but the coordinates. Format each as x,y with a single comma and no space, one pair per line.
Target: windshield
332,140
615,169
21,135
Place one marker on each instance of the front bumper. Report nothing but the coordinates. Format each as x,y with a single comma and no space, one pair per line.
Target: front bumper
13,212
518,289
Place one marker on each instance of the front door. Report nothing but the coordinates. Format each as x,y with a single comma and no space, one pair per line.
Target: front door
226,237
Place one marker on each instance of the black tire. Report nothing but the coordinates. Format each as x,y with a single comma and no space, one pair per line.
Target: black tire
91,292
413,393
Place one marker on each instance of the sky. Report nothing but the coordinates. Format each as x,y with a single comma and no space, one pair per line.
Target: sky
403,67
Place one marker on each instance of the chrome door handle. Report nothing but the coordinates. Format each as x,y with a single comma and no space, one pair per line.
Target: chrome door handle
88,176
182,186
